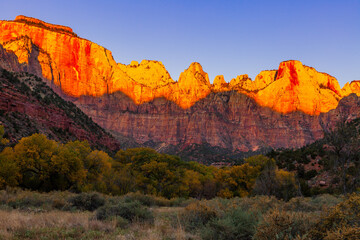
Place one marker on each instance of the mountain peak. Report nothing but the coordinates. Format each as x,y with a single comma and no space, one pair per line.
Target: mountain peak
196,67
39,23
81,67
149,73
241,81
194,75
290,70
298,87
219,80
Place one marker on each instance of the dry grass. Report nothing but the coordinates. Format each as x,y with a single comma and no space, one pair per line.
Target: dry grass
17,224
12,222
166,226
162,229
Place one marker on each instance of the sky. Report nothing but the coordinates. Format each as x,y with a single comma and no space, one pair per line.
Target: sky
226,37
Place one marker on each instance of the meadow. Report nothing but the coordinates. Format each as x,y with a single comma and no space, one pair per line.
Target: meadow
65,215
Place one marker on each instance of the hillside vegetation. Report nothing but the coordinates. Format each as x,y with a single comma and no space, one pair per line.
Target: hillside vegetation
38,163
28,105
330,165
75,192
66,215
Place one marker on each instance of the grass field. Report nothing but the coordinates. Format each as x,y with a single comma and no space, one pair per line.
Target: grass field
65,215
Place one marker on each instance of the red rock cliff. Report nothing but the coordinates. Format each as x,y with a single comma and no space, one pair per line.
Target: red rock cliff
81,67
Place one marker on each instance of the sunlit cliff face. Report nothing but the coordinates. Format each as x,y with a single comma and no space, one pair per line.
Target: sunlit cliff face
81,67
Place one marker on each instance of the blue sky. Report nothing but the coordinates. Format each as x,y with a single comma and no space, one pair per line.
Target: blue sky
226,37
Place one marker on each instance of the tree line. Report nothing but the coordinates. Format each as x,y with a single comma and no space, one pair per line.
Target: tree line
38,163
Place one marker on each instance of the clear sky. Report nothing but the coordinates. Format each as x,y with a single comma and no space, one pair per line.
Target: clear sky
226,37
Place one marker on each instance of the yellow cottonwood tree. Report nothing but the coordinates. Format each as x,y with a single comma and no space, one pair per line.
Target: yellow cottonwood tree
9,170
96,164
33,155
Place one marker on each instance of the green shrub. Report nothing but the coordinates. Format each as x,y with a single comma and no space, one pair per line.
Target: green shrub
181,202
277,224
310,174
147,200
196,215
121,222
325,201
150,200
87,201
30,201
344,232
20,199
236,224
300,204
318,203
131,211
261,204
344,215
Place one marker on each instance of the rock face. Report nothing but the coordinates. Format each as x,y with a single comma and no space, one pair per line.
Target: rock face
80,67
300,88
229,120
287,107
28,105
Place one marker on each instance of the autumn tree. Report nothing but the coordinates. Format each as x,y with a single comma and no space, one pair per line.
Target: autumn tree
67,167
9,169
47,165
96,164
266,182
145,170
192,183
271,180
33,156
126,176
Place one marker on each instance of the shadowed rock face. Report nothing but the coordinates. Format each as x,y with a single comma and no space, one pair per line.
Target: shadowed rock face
287,107
227,119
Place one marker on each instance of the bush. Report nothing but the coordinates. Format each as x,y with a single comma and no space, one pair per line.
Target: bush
318,203
344,215
236,224
131,211
348,233
278,224
147,200
310,174
325,201
196,215
260,204
20,199
26,202
87,201
121,222
150,200
300,204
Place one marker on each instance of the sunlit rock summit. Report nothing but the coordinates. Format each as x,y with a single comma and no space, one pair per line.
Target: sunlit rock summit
136,97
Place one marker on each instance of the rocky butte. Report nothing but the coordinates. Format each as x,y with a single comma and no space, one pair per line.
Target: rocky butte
287,107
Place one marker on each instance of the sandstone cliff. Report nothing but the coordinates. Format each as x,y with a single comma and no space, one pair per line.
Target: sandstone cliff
28,106
287,107
229,120
80,67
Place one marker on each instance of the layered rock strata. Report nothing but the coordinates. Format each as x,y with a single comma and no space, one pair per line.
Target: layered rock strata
28,106
287,107
80,67
229,120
